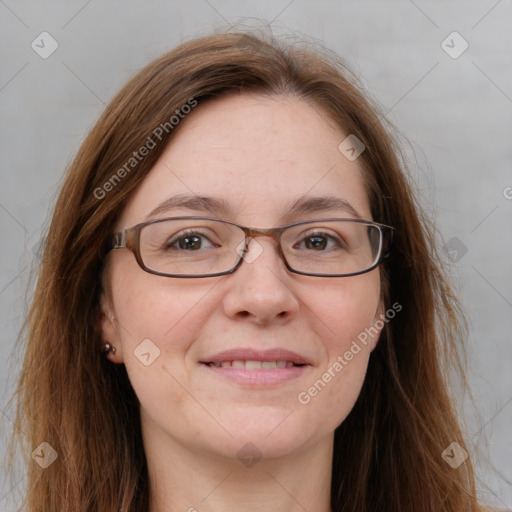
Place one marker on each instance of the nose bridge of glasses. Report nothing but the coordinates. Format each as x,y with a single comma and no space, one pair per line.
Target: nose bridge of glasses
256,232
274,233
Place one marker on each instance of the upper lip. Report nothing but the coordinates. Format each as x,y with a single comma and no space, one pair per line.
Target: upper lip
242,354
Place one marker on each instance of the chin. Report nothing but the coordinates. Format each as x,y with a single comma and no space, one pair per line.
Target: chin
270,436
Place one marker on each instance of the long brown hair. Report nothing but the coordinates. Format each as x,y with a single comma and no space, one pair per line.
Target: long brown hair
388,451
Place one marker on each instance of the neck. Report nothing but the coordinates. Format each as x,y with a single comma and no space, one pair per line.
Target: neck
183,479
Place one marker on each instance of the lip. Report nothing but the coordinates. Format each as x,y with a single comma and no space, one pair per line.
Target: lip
256,377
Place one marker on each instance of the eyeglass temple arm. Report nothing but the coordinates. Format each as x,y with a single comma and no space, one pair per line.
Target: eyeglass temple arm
117,241
387,242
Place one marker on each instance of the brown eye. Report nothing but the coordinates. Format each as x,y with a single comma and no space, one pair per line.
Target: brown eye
320,242
316,242
189,241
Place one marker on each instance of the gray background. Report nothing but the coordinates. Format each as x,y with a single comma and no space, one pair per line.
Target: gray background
456,113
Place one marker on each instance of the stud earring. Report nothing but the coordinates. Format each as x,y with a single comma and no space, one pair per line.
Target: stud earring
108,349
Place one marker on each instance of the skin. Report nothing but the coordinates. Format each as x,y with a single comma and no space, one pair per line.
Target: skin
260,154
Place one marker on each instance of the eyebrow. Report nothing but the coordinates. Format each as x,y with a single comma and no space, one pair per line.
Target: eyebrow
219,207
307,205
192,202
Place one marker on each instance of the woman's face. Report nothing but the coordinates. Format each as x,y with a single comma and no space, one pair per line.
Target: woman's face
259,156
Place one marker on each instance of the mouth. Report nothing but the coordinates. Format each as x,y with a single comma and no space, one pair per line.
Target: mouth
254,365
256,368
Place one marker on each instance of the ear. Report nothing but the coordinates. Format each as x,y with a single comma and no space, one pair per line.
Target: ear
108,329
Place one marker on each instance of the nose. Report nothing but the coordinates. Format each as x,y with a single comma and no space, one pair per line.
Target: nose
260,290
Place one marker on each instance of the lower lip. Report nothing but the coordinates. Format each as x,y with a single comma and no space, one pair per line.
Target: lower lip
257,377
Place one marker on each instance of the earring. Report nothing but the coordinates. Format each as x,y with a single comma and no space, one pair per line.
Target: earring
108,349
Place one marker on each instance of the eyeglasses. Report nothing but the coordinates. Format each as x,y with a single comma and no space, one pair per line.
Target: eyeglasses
207,247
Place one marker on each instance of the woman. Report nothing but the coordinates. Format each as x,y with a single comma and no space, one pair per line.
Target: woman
240,304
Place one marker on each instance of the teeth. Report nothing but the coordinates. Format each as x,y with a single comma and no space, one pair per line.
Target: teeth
254,365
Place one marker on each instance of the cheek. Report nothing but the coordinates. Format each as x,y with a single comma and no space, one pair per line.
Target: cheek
157,322
345,317
149,306
346,310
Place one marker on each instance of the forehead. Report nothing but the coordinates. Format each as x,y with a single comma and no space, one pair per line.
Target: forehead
258,156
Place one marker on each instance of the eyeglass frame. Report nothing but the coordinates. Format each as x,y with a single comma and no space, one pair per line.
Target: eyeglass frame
129,238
